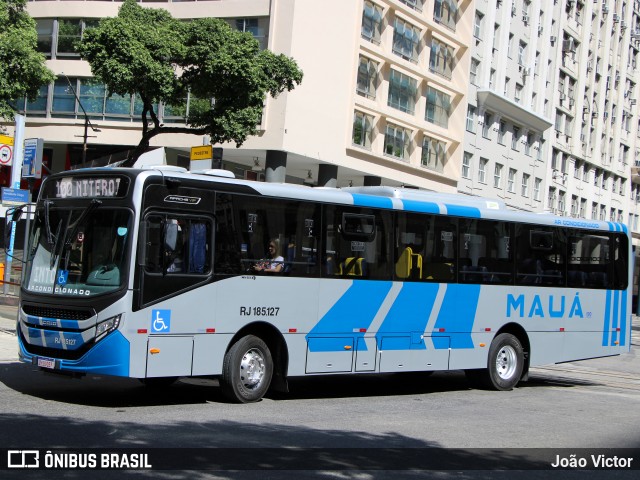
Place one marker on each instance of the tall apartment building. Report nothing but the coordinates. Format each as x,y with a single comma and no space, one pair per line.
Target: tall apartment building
552,120
383,98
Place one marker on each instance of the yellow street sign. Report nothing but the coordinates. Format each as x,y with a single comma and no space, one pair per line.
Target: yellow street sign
6,150
204,152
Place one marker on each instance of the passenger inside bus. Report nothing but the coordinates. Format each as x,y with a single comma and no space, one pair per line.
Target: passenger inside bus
275,262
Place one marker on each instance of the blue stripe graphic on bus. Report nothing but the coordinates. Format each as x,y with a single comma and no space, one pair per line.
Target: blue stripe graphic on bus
422,207
616,305
409,313
607,320
110,356
53,322
355,310
371,201
623,318
55,339
456,316
462,211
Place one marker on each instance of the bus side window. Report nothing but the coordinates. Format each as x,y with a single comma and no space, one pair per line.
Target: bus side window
357,243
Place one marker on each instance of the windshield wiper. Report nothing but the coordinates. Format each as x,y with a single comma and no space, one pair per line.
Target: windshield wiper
51,240
95,203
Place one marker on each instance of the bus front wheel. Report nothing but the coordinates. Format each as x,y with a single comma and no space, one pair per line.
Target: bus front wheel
247,370
504,366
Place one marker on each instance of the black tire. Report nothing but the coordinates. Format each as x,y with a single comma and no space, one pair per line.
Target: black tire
504,365
158,382
247,370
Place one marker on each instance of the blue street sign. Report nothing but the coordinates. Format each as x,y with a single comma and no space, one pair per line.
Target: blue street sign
14,196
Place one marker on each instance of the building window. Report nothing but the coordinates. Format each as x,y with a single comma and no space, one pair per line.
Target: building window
406,38
466,165
396,142
256,27
44,29
537,183
515,137
57,38
441,59
518,93
438,107
471,119
477,26
551,199
561,202
501,131
64,101
402,92
486,127
367,77
482,170
371,22
522,53
574,206
445,12
525,185
415,4
497,176
511,181
434,154
362,129
473,75
527,145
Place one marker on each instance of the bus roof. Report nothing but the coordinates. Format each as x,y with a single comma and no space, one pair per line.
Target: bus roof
396,198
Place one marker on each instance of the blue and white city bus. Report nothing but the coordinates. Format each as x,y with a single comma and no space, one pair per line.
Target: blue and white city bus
151,274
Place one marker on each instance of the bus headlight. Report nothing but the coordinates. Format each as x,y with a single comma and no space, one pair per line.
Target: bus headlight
109,325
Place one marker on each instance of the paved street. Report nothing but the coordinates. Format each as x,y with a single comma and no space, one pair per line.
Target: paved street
590,404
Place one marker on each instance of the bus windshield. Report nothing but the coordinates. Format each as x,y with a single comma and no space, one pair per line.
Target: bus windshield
78,252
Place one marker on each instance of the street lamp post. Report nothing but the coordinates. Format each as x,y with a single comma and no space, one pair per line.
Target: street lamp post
87,123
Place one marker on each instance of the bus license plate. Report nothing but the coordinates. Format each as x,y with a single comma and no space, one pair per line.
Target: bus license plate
46,363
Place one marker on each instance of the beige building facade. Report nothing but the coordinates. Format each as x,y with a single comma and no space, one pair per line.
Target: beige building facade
383,100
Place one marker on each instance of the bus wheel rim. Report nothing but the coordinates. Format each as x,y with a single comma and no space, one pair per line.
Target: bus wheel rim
506,362
252,368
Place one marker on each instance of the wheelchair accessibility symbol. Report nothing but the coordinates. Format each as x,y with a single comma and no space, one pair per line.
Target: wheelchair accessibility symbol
160,321
63,276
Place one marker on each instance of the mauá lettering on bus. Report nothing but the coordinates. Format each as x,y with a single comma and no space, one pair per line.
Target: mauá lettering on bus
553,307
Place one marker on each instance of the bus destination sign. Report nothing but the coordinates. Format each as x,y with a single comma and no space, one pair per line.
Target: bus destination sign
88,187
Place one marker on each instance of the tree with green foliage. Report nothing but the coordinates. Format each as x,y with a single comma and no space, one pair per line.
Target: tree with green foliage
147,53
22,68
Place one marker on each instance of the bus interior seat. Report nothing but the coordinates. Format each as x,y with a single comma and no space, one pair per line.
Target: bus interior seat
577,278
597,279
439,271
498,270
409,265
353,266
471,273
289,258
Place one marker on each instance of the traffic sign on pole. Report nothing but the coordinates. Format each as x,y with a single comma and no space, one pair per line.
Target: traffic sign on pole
6,150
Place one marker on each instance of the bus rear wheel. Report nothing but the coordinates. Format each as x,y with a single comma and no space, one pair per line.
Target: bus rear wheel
247,370
504,366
